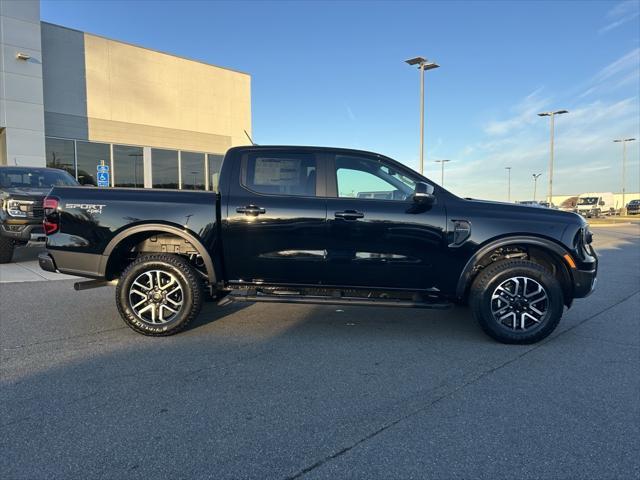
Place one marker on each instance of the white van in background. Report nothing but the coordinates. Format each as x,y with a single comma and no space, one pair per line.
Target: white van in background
594,204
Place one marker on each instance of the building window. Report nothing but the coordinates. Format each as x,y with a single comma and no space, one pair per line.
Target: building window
164,167
215,163
60,154
192,166
128,166
90,155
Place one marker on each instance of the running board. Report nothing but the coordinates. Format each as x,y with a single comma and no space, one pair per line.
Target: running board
328,300
89,284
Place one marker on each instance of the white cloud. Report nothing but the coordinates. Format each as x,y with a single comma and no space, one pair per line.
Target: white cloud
525,112
586,159
622,13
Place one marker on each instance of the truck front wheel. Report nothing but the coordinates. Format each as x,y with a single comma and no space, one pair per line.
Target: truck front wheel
516,301
159,294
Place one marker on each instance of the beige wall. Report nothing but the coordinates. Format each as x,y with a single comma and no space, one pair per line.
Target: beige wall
3,147
132,95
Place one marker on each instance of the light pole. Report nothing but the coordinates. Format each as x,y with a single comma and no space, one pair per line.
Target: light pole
423,64
508,169
442,162
624,165
552,116
535,184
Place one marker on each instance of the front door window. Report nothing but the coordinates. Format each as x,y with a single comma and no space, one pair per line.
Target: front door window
366,178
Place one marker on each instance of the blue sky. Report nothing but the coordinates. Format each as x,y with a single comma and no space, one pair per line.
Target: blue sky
332,73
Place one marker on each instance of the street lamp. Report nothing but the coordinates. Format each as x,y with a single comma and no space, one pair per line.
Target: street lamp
552,116
508,169
423,64
624,165
535,184
442,171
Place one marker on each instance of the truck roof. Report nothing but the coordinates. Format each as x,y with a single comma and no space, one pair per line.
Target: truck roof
307,148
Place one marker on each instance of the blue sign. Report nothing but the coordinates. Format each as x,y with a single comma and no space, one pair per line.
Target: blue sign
103,169
103,179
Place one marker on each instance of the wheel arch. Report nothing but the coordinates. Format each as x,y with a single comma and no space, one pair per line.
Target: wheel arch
133,235
547,252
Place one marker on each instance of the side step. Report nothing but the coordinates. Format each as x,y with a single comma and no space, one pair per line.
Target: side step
254,296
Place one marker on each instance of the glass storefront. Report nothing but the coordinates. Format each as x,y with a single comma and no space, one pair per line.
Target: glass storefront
61,154
193,175
215,163
90,155
164,168
127,164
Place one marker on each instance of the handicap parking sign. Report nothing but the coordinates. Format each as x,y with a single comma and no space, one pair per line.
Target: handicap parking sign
103,169
103,179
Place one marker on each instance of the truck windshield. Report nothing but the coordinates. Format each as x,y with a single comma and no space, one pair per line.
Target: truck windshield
587,201
34,178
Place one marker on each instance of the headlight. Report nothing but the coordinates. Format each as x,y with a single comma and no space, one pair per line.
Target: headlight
18,208
587,236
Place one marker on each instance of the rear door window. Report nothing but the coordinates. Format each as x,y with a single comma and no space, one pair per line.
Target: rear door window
291,174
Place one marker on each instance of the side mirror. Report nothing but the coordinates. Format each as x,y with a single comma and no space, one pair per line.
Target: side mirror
601,203
423,193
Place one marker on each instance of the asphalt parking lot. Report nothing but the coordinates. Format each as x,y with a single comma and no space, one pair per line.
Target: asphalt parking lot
294,391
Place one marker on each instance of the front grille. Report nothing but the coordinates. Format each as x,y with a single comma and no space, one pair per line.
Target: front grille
35,210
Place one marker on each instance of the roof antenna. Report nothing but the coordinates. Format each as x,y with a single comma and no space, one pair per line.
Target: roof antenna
250,139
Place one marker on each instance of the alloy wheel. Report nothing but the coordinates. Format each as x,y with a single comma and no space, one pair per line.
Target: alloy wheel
519,303
156,297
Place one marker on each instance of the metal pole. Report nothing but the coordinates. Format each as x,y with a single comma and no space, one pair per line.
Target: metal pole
551,161
535,184
422,119
508,169
624,161
442,175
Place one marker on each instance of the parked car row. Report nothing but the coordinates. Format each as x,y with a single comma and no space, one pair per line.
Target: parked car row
589,205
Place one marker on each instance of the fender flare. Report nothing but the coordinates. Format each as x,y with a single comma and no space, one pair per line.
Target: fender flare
159,227
467,271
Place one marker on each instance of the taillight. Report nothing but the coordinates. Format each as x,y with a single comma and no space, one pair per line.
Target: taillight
51,222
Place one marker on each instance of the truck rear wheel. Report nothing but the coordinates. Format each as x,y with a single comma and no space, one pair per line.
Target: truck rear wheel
7,246
159,294
516,301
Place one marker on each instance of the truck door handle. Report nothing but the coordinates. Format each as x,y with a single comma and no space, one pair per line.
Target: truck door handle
349,215
251,210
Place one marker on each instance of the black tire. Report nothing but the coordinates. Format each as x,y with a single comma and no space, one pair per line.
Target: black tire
493,276
7,245
190,295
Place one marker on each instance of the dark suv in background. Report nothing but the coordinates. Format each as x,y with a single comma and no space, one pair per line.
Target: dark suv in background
633,207
22,191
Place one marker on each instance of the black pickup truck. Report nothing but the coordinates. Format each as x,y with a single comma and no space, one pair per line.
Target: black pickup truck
22,191
321,225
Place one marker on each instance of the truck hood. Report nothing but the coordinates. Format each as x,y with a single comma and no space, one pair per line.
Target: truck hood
25,192
526,211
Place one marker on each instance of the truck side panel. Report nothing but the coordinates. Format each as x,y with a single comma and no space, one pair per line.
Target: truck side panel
90,218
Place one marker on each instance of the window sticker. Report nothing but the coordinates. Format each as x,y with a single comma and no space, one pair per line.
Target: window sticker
277,171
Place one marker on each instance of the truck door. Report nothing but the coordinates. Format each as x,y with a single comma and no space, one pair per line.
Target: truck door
378,236
275,226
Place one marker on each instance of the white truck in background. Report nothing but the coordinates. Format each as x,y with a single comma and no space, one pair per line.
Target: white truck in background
594,204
